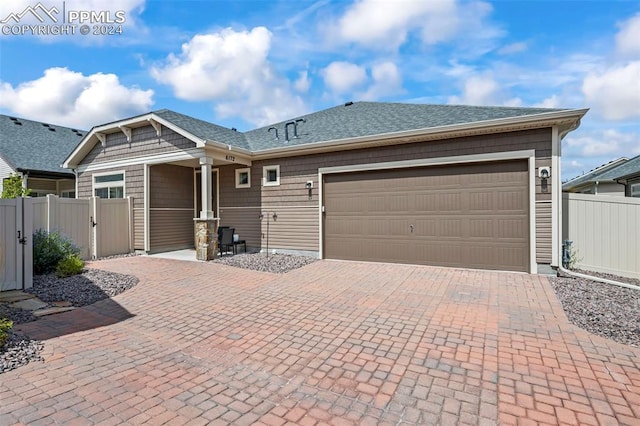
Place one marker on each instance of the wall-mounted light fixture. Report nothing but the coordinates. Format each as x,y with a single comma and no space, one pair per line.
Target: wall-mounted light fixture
544,173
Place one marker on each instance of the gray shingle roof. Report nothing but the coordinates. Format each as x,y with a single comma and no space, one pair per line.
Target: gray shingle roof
36,146
348,121
203,129
372,118
606,174
631,167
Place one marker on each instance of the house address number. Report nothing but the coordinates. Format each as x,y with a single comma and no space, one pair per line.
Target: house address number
230,158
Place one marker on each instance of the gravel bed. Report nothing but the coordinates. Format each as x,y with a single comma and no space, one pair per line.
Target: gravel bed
83,289
19,350
17,315
606,310
276,263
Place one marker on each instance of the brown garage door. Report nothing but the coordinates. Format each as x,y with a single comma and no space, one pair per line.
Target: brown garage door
474,216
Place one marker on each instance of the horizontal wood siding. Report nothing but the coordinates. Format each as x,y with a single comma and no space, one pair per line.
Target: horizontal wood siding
42,185
5,171
138,229
296,171
171,187
543,232
296,228
170,207
133,185
246,222
144,142
170,230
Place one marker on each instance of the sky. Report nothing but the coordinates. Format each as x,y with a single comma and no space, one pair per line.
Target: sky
245,64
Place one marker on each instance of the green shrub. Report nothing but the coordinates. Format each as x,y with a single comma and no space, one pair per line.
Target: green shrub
70,265
5,328
49,248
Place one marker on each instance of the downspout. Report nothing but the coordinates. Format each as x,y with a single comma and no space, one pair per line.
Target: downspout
75,187
598,279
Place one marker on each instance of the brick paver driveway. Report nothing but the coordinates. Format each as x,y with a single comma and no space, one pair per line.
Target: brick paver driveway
333,342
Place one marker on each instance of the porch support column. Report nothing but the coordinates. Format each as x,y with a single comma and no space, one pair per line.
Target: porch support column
207,188
206,226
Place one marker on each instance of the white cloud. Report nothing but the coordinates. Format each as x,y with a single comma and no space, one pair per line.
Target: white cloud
628,38
608,143
552,101
478,90
614,93
387,80
341,77
303,82
513,48
72,99
388,24
232,69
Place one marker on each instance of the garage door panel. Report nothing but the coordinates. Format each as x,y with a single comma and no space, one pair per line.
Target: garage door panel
472,215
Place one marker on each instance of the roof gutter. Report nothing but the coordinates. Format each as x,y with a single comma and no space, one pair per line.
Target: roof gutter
571,117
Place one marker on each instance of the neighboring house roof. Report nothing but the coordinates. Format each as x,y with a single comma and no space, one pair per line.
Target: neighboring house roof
620,168
628,170
32,146
344,125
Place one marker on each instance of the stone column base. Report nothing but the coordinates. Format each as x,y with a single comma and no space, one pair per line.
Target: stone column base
206,231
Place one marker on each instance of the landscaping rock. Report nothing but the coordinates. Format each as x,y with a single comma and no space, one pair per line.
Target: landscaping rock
606,310
276,263
19,350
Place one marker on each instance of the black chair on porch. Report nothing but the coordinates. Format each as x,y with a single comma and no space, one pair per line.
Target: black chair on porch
226,239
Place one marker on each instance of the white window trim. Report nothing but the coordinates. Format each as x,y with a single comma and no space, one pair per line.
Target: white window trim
108,184
635,190
243,185
265,169
68,191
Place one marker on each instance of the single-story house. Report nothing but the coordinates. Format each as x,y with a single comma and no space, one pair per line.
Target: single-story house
35,151
462,186
618,177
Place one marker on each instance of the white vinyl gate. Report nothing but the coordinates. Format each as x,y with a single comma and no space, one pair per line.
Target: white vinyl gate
16,244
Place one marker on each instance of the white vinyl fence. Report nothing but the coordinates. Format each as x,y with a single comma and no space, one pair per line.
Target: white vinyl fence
98,227
605,231
16,249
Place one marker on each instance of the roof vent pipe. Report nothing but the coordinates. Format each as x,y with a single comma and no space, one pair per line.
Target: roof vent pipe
348,103
286,130
295,127
273,128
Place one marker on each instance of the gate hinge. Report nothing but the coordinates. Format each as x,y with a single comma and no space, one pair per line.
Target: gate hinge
22,240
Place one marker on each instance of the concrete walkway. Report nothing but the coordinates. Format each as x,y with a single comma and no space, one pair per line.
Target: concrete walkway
331,343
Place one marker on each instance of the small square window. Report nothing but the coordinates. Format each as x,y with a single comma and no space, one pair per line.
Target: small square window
243,178
271,175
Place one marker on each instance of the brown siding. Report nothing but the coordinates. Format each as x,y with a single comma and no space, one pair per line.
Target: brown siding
246,221
133,185
170,207
144,142
170,230
543,232
38,184
296,171
138,229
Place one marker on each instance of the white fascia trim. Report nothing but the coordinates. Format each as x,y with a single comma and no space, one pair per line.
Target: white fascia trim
457,159
528,154
539,120
533,256
556,197
186,154
85,144
146,208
